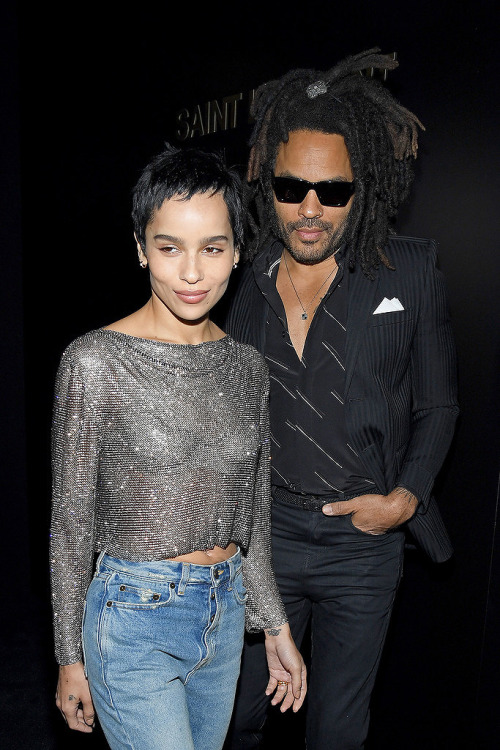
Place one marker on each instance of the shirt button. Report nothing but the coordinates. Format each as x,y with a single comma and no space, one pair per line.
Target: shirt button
156,597
109,604
122,588
172,585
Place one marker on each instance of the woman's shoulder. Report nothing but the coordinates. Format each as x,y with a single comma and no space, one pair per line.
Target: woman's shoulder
250,356
86,350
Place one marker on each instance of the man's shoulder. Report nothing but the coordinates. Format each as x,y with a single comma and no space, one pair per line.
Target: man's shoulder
403,249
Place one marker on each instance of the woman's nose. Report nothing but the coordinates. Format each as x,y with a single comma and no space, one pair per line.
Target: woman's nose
191,269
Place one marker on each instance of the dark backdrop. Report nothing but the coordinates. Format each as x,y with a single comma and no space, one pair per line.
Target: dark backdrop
89,95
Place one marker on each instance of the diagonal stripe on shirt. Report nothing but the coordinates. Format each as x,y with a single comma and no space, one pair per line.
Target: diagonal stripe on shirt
291,393
334,318
274,439
306,401
332,486
277,362
352,449
318,446
280,475
334,393
334,354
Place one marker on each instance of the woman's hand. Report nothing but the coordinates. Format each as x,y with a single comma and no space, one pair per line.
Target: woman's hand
73,697
287,671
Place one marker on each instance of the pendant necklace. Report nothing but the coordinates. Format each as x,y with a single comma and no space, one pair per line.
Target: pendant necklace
304,315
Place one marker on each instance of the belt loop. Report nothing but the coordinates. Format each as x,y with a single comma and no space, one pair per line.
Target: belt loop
232,570
184,578
99,560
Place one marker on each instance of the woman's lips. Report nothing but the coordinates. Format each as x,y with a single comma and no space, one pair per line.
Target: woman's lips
192,297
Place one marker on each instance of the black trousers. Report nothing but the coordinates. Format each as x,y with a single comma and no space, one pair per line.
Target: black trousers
342,582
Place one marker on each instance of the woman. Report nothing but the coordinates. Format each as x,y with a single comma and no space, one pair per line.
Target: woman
161,468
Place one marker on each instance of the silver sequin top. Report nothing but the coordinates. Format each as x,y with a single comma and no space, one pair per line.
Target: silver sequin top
158,450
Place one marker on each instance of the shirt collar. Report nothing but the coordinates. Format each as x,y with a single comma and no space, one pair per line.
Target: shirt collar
266,263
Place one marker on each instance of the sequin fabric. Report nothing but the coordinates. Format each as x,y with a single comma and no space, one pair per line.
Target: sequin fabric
158,450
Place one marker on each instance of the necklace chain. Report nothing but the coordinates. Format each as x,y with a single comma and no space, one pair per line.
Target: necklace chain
304,315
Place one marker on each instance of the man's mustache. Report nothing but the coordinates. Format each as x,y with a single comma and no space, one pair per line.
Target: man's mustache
309,224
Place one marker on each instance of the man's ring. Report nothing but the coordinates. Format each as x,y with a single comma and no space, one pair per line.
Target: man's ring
283,683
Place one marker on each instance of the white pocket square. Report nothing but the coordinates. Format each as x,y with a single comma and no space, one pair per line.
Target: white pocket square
388,305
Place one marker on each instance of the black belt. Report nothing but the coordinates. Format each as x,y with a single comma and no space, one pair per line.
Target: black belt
316,502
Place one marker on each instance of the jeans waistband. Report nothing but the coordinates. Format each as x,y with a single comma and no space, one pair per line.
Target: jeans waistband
168,570
316,502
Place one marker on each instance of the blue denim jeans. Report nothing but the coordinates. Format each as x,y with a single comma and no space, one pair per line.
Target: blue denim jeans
162,646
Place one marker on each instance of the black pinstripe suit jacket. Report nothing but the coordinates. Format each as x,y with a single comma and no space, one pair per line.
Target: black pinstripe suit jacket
400,387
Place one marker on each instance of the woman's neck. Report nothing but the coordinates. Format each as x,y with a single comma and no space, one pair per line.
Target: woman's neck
159,324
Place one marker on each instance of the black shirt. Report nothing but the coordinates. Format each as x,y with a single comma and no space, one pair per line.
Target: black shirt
310,448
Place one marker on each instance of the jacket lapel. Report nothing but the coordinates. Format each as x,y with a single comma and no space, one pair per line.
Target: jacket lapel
361,303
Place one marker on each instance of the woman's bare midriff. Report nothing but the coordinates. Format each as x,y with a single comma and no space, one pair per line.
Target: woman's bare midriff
207,556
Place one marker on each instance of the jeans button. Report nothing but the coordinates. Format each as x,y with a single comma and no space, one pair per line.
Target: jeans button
172,585
109,604
216,573
156,597
212,597
212,618
122,588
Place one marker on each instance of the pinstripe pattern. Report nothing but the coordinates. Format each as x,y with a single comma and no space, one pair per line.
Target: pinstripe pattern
400,396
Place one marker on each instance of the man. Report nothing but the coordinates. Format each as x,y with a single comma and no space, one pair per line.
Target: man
353,324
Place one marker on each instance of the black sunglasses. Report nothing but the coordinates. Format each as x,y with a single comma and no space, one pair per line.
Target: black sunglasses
292,190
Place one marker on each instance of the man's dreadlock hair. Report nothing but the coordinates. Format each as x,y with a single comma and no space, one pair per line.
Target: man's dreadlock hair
380,135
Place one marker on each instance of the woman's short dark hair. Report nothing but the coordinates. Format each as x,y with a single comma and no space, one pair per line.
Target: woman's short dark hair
184,173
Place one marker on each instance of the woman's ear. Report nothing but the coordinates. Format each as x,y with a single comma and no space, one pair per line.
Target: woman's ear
143,261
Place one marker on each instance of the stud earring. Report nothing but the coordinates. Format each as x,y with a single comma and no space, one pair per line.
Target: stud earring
235,265
143,263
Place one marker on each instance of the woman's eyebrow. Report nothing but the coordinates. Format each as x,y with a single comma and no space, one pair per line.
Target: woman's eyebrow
167,237
179,240
215,238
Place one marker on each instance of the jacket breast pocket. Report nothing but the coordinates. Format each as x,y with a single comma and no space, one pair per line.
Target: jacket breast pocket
392,318
387,345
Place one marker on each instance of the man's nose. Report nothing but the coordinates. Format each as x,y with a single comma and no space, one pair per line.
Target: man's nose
310,206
